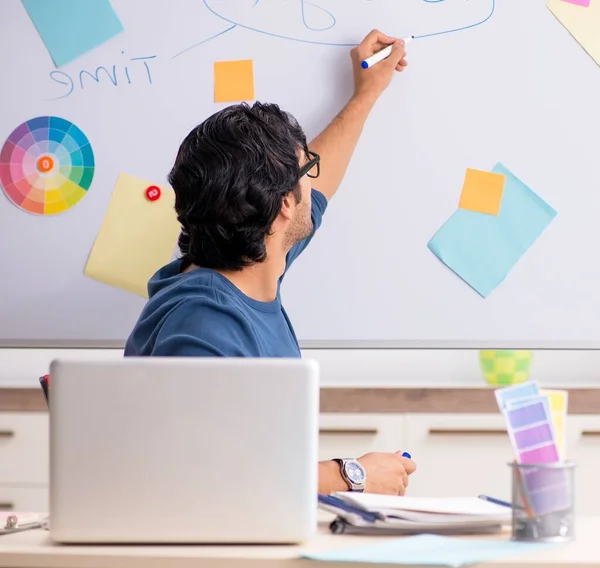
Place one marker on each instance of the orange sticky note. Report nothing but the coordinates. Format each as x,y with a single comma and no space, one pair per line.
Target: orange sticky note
234,81
482,191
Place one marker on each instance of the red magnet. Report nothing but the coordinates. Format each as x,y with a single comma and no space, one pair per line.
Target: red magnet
153,193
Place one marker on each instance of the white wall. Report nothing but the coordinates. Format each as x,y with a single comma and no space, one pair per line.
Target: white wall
376,367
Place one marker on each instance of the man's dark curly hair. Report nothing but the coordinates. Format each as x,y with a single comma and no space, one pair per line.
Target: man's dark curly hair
230,177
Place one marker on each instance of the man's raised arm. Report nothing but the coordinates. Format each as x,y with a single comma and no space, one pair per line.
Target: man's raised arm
336,143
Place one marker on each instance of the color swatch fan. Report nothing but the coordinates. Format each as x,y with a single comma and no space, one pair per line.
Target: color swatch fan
536,428
46,165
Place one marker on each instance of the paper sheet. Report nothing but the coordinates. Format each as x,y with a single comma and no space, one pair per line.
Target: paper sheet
429,550
582,23
482,249
513,393
530,428
234,81
137,236
443,505
558,408
482,192
70,28
556,402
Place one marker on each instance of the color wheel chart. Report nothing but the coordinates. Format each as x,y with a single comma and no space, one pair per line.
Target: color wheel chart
46,165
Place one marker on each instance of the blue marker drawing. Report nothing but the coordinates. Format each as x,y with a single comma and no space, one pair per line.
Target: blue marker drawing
304,21
117,73
206,39
493,9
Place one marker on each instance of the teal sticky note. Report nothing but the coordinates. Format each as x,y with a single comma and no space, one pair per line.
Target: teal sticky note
70,28
429,550
482,249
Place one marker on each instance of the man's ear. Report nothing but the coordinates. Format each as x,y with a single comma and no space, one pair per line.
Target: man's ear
287,206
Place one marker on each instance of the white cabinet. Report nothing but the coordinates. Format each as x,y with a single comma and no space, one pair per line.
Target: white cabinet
458,455
352,435
583,447
23,461
467,455
23,448
26,499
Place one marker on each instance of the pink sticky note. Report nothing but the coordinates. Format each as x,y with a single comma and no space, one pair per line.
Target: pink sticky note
585,3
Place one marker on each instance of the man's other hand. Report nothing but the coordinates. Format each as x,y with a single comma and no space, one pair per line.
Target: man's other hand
387,473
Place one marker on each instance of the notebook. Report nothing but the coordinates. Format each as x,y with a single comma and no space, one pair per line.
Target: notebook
364,513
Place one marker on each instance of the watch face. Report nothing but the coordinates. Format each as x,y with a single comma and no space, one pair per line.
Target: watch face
355,472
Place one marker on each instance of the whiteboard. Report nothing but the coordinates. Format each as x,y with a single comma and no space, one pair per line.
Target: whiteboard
488,81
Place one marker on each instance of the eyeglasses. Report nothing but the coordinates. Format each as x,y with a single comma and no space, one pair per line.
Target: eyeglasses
314,162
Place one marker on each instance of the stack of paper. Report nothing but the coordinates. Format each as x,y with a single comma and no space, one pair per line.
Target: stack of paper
389,514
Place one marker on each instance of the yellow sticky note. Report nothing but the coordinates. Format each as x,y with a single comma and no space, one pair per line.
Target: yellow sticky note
581,21
482,191
137,237
559,400
234,81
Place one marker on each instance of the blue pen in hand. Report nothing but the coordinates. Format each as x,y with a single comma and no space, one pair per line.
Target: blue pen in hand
381,55
406,455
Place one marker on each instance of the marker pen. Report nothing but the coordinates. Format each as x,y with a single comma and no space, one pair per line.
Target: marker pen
381,55
498,502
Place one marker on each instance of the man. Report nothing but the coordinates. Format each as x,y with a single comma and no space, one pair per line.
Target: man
244,198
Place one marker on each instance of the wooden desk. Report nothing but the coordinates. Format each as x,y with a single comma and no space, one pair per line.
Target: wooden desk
33,549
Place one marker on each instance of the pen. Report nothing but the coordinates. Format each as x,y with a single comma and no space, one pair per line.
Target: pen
381,55
340,505
406,455
496,501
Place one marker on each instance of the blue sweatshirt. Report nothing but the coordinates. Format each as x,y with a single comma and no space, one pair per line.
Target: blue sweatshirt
200,313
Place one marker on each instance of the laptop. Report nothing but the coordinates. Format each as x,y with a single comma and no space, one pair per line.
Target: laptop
183,450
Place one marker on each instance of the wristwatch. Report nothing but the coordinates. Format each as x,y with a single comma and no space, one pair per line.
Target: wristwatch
353,473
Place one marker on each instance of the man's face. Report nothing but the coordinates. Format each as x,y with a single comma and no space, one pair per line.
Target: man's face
301,225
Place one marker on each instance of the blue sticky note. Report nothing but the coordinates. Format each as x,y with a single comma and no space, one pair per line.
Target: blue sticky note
482,249
70,28
429,550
